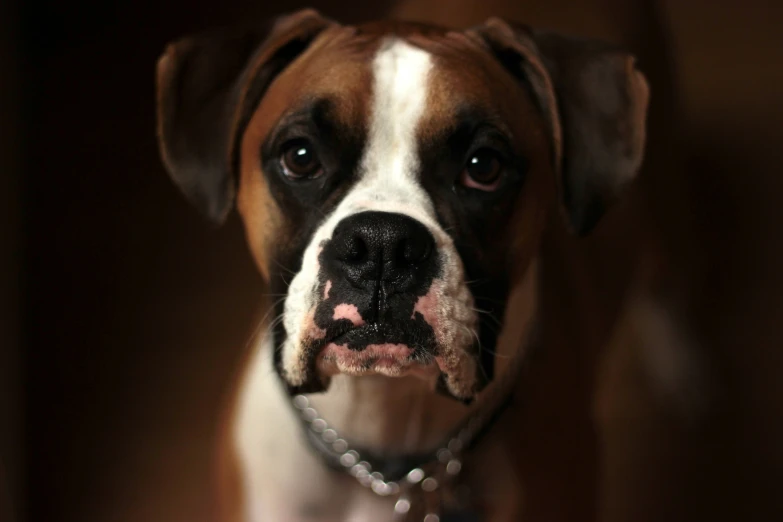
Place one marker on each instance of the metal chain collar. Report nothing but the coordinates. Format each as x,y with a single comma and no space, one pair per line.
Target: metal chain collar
447,460
422,493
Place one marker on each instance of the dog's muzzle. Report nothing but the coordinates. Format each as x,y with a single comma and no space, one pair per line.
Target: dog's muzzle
386,296
374,270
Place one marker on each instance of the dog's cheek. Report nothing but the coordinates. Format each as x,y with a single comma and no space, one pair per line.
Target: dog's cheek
299,321
448,308
262,219
529,219
455,308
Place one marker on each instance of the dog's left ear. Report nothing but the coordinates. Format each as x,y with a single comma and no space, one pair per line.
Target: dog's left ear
594,101
207,88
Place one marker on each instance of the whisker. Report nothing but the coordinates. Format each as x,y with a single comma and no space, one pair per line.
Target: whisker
279,319
281,265
482,348
488,299
262,322
489,314
266,315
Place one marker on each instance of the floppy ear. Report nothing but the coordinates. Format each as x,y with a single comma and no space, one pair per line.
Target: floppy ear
594,101
207,88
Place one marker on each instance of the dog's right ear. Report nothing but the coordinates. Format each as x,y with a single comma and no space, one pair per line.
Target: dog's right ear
207,89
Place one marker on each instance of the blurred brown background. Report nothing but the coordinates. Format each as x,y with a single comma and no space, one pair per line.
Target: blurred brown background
122,315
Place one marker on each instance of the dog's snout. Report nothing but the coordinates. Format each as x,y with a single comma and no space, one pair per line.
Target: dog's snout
382,246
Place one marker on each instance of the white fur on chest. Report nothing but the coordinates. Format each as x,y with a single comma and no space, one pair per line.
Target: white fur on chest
282,480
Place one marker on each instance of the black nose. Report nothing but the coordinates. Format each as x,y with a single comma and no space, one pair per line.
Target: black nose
384,247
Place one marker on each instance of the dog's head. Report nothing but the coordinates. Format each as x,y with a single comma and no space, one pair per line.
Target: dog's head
395,179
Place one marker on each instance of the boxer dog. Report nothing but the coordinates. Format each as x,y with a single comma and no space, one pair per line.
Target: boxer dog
397,183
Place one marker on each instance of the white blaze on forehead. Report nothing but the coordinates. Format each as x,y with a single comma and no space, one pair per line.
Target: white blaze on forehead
390,163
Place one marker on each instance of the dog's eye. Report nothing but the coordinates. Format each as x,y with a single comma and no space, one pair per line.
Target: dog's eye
299,160
483,171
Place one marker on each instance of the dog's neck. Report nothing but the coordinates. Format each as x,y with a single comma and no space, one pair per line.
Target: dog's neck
405,415
389,415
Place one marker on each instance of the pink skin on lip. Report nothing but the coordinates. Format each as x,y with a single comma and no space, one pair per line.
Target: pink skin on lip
348,311
427,307
391,360
386,351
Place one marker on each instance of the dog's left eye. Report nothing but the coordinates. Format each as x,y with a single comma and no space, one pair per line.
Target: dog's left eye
483,171
299,160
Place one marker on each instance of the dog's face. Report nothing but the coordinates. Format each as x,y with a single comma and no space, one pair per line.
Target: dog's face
399,170
395,182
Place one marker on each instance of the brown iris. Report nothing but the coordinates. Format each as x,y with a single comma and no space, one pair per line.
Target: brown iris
483,170
299,160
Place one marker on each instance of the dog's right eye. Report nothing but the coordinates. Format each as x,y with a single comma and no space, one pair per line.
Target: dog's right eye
483,171
299,160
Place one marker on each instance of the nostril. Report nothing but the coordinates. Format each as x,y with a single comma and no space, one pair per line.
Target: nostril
380,246
414,251
354,250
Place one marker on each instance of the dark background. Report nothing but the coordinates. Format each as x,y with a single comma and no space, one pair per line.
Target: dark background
122,315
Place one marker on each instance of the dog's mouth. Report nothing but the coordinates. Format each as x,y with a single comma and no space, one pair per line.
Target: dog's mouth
433,337
392,349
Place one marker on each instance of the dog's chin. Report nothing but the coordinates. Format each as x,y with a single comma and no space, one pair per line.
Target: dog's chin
387,359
